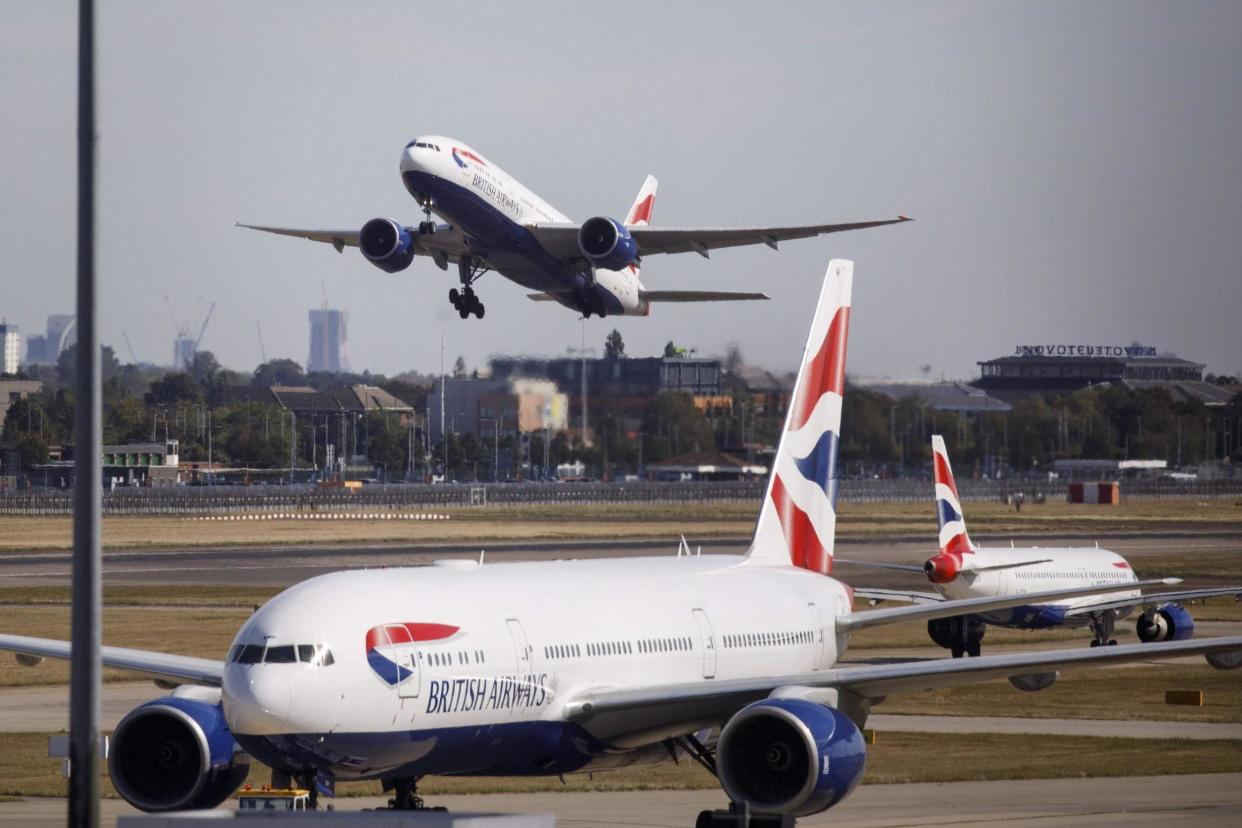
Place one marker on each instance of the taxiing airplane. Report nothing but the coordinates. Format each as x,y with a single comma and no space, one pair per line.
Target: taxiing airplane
555,667
495,223
962,570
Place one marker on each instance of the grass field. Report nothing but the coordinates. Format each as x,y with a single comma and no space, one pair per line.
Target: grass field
25,769
622,521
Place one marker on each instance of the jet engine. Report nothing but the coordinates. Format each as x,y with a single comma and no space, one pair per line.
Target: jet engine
607,243
790,756
1169,623
387,244
948,633
175,753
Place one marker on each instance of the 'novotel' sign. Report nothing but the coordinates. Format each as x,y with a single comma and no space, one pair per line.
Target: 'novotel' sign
1086,350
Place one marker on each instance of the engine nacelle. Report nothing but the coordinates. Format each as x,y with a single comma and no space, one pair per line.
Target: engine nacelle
387,244
607,243
790,756
947,632
174,754
1169,623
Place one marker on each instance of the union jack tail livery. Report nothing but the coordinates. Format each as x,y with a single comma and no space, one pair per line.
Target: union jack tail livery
640,214
952,522
798,518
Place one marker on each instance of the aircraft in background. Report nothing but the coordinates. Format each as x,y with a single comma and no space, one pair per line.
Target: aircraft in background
553,667
962,570
495,223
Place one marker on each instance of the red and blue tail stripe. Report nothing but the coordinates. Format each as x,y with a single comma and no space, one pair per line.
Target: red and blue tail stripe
797,521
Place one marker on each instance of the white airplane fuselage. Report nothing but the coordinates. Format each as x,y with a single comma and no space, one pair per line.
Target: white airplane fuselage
1051,568
492,209
503,647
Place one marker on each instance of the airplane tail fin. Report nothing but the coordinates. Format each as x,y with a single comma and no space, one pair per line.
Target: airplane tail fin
949,516
640,213
798,519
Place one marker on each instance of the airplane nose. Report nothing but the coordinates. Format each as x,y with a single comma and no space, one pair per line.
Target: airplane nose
408,162
257,701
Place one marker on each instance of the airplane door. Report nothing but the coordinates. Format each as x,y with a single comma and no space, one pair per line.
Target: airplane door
405,654
521,647
817,630
708,641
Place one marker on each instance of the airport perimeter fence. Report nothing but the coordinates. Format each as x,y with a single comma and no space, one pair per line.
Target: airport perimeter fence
402,498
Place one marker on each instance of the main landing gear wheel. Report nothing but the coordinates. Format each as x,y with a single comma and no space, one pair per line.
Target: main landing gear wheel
1102,629
466,303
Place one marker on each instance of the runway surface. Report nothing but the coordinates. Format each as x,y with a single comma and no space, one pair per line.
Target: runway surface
1208,800
282,566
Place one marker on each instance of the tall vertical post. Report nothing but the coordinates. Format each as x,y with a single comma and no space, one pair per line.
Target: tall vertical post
84,669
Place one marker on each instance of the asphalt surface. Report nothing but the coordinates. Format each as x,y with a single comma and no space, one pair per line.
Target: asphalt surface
1208,800
283,566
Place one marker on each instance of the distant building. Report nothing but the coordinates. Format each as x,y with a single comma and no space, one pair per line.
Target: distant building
45,349
769,392
1064,368
705,465
328,338
627,384
511,405
183,352
939,396
303,400
10,348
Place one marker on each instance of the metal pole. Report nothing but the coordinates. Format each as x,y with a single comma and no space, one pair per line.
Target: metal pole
84,669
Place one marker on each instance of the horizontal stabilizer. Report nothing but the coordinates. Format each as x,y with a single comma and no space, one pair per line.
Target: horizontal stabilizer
541,297
699,296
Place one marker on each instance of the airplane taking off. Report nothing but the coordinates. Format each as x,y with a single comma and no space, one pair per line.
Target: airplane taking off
556,667
962,570
495,223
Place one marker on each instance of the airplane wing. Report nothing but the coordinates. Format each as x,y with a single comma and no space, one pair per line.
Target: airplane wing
561,239
446,244
910,596
1156,599
614,714
699,296
175,668
967,606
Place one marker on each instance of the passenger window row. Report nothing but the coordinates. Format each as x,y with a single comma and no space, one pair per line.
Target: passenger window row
317,655
665,645
607,648
779,639
562,651
447,659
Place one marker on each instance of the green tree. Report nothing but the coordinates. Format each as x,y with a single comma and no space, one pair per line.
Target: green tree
614,346
177,388
67,364
676,426
278,372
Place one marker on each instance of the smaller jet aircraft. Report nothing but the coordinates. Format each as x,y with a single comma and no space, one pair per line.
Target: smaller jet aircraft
962,570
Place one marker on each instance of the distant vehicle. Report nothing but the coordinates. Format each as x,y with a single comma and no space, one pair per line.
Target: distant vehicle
962,570
273,799
495,223
561,666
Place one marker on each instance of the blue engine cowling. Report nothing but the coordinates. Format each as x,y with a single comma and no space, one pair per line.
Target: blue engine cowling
386,244
1171,622
790,756
175,754
607,243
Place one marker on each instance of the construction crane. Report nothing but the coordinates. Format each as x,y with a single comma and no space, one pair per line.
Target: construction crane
129,346
203,329
262,349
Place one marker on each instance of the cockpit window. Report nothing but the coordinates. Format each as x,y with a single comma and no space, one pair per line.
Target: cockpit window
248,653
281,655
317,655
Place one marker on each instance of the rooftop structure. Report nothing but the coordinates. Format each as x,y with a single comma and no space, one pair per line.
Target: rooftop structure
940,396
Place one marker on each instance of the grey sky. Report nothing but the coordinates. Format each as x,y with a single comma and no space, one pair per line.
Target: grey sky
1075,168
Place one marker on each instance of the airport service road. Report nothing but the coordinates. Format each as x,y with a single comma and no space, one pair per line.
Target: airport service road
1207,800
282,566
45,709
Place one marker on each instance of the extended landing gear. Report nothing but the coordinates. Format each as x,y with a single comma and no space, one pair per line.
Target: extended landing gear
1102,629
404,797
427,227
961,635
739,816
464,301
